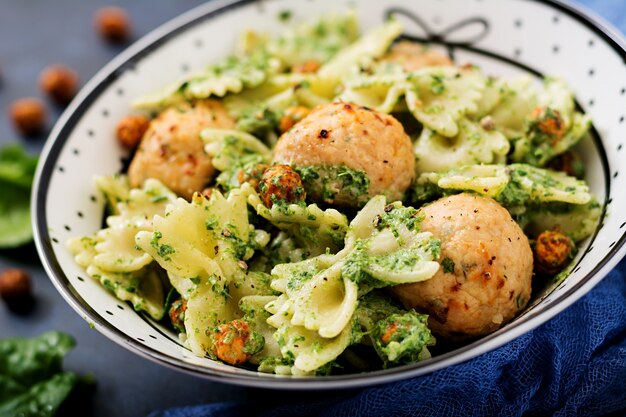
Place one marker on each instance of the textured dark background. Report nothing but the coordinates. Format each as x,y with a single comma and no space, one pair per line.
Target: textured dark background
34,34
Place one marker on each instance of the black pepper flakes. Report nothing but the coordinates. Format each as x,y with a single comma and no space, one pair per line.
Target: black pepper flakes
323,134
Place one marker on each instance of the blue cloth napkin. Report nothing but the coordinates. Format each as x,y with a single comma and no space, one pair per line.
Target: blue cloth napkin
575,364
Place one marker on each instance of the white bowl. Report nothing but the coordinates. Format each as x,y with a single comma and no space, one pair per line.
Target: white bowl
505,37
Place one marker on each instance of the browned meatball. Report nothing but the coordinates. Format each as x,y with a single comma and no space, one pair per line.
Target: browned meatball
28,116
113,24
349,154
414,56
59,82
553,251
131,129
171,150
280,183
177,314
235,343
486,268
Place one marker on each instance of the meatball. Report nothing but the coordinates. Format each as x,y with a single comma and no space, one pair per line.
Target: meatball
131,129
347,154
281,183
553,251
171,150
234,342
414,56
486,268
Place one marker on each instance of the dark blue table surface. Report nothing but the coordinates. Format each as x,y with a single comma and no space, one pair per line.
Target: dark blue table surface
34,34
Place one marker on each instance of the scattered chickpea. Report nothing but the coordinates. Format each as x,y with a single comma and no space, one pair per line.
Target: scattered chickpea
281,183
549,122
28,116
177,314
307,67
235,343
59,82
292,116
552,251
131,129
113,24
15,287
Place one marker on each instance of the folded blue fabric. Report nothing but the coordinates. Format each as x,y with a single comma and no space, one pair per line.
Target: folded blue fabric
575,364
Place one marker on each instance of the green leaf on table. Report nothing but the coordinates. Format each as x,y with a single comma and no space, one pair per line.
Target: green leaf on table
17,170
32,380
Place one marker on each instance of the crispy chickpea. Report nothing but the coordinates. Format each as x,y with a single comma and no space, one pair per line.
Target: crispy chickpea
292,116
252,175
235,343
113,24
307,67
177,314
131,129
59,82
16,289
28,116
553,250
549,122
281,183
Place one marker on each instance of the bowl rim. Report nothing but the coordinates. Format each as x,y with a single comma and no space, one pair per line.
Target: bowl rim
125,60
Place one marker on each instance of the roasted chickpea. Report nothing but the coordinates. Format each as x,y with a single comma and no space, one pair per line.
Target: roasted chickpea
252,175
235,343
307,67
131,129
59,82
113,24
177,314
281,183
292,116
16,290
553,250
28,116
548,121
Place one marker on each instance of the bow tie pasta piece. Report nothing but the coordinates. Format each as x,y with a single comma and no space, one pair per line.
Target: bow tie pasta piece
511,185
517,100
310,42
371,45
472,145
552,128
313,228
306,349
440,96
232,148
143,287
255,314
111,255
384,246
230,75
115,189
539,199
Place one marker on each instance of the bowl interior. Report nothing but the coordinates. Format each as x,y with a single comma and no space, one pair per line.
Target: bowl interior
505,38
